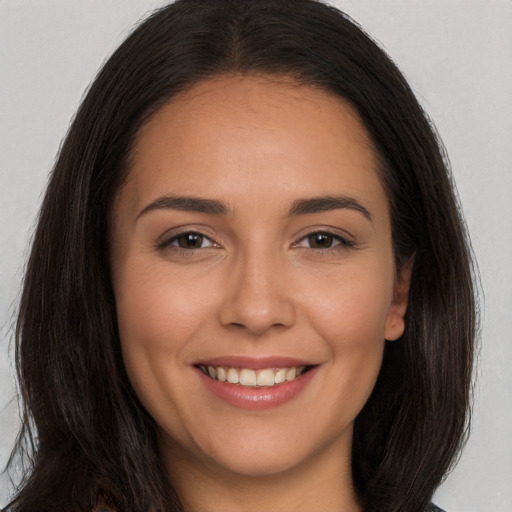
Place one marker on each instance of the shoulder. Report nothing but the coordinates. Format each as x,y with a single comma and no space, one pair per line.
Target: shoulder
432,508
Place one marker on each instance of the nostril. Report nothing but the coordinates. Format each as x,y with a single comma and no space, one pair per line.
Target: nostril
256,329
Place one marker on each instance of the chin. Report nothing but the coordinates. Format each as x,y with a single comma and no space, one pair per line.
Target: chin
257,463
260,452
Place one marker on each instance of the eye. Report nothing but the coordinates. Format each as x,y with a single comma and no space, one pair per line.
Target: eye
324,240
189,240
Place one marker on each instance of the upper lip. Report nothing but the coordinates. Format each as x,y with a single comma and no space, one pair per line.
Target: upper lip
254,363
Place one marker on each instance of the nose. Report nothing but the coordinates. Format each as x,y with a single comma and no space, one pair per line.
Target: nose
257,297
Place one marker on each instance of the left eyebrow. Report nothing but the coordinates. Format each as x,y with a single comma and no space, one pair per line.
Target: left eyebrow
187,204
327,203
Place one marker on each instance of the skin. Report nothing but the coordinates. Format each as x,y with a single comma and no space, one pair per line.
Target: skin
255,287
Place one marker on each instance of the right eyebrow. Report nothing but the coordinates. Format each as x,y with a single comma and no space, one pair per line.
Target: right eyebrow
187,204
327,203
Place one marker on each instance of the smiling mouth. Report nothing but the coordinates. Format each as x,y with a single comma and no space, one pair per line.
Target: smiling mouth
265,377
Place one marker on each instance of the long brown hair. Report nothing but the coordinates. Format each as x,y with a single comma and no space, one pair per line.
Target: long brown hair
84,423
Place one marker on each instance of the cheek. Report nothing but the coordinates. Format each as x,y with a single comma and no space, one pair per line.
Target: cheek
158,314
350,315
157,317
155,307
352,307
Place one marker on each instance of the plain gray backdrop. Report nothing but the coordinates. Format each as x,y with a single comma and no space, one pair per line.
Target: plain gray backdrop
457,55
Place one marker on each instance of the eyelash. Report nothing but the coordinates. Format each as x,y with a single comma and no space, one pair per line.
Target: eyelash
342,242
339,242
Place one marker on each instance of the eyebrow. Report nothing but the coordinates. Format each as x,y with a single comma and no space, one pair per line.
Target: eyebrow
215,207
188,204
327,203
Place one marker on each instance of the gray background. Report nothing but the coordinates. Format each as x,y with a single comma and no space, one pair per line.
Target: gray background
457,55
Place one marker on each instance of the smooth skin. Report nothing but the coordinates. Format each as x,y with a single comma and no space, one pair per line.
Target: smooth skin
250,275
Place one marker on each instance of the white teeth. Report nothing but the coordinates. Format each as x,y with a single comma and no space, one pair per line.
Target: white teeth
266,378
280,376
233,377
291,374
247,377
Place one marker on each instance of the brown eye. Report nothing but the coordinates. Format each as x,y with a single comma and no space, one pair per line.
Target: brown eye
324,240
191,241
321,240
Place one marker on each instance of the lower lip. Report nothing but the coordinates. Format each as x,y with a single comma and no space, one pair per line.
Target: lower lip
256,398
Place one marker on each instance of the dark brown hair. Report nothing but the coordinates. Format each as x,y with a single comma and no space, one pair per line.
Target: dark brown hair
86,427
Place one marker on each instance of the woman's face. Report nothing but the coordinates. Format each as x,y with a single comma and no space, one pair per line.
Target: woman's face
252,242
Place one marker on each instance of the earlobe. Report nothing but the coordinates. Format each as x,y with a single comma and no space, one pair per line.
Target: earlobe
395,323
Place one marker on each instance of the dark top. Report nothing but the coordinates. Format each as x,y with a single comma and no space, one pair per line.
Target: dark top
104,504
433,508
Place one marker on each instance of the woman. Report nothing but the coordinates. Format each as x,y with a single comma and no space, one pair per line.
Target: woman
250,285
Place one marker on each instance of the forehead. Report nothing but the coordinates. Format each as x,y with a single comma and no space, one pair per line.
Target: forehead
264,136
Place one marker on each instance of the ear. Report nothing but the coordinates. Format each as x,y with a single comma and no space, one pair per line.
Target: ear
395,324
